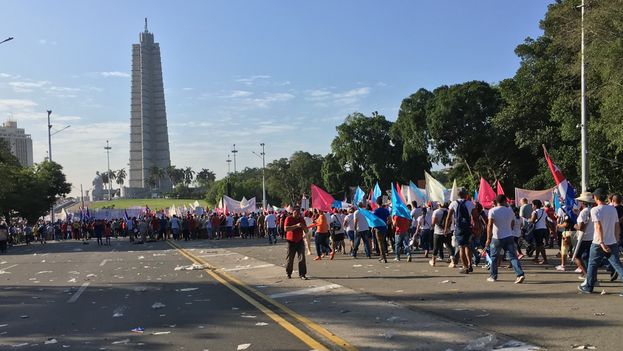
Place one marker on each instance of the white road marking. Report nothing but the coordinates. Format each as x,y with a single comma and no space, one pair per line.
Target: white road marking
75,296
3,270
247,267
220,254
306,291
104,262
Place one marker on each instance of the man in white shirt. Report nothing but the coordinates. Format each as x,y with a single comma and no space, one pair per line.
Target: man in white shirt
605,240
349,226
438,223
270,221
362,230
585,233
500,237
464,213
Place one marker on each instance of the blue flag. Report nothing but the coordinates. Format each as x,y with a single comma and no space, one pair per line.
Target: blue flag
418,192
358,197
398,207
373,221
475,195
377,192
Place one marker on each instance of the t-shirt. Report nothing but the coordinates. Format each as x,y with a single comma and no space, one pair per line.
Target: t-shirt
415,213
382,213
271,221
541,219
438,215
502,217
525,211
607,216
349,222
362,223
295,235
589,229
517,227
401,224
337,219
251,222
455,206
425,221
229,221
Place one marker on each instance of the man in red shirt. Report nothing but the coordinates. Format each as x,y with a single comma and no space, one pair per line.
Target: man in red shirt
401,236
294,225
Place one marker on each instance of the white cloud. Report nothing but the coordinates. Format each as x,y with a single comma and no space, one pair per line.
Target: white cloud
251,80
115,74
322,97
9,76
238,94
27,86
14,105
267,99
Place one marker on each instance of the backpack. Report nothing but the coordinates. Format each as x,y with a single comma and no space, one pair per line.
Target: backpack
462,217
335,223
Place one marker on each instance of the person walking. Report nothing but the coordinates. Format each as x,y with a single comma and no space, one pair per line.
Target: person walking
605,241
464,213
500,237
294,226
363,233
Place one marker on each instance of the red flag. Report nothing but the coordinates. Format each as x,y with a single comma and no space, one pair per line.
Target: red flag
372,202
320,199
486,195
558,176
399,191
500,191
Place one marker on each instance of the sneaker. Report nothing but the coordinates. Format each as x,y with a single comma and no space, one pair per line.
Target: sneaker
491,280
304,277
432,263
582,277
594,285
409,258
520,279
396,259
584,289
613,276
560,268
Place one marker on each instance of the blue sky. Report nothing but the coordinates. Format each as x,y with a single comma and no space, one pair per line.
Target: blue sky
280,72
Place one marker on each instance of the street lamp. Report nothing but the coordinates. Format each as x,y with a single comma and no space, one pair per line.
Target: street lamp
263,156
49,137
234,151
107,148
583,133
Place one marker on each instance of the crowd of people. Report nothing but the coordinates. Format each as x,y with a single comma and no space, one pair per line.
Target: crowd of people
461,233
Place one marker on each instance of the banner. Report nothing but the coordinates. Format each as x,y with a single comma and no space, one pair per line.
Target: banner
244,206
543,195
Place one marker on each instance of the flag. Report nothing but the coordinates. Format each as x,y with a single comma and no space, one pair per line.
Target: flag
373,221
454,194
88,215
434,189
358,197
565,189
398,206
196,204
372,202
486,195
320,199
147,210
377,192
125,215
420,197
500,191
475,195
399,191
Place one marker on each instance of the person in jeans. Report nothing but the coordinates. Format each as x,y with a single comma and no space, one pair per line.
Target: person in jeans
294,226
363,233
270,221
541,231
500,237
321,238
401,235
605,240
464,213
438,223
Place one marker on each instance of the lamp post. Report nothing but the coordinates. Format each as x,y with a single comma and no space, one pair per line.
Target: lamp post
263,156
234,151
49,137
107,148
583,122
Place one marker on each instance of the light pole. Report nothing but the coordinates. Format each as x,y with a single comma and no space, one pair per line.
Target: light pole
583,122
107,148
228,165
234,151
49,137
263,155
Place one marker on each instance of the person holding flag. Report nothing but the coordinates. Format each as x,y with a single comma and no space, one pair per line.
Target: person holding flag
401,220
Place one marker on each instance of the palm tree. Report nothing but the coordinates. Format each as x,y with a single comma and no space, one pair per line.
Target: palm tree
105,178
121,175
205,176
189,175
155,175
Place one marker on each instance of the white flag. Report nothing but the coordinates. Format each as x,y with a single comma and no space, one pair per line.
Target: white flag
434,189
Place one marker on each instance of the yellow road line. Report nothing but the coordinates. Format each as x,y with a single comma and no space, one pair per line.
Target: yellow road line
307,339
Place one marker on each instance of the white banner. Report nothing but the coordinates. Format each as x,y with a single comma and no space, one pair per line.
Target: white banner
543,195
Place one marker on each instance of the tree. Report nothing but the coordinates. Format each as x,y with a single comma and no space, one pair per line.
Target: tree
154,177
305,169
205,177
189,175
121,175
366,149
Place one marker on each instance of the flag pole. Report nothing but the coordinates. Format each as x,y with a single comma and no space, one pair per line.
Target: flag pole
583,122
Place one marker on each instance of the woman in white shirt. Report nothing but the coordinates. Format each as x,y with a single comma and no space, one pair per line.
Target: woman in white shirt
541,232
424,229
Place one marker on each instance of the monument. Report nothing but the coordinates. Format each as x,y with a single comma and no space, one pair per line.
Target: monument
149,137
97,194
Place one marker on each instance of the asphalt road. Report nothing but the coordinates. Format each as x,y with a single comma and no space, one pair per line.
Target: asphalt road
84,297
546,310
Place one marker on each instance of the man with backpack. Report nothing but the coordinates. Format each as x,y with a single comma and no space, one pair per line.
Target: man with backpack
464,213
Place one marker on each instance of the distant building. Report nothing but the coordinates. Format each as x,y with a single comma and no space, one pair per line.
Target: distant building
149,137
19,142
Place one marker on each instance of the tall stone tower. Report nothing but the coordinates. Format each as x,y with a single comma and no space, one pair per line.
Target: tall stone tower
149,137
